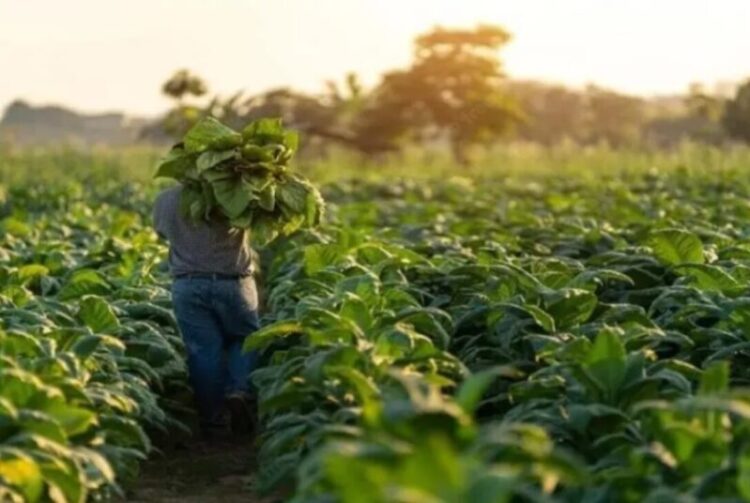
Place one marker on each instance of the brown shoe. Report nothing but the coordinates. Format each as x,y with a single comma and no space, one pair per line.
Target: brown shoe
241,414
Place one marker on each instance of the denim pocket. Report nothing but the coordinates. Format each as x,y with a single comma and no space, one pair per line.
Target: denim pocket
189,291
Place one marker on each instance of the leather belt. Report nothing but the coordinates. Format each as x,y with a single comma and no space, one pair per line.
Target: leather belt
211,275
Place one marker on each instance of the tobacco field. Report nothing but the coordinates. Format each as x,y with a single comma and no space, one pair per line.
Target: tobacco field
515,333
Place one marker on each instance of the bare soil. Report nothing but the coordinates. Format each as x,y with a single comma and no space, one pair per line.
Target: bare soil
200,472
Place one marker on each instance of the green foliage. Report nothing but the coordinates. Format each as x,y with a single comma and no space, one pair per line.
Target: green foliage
452,85
567,328
243,178
183,83
509,339
85,345
676,247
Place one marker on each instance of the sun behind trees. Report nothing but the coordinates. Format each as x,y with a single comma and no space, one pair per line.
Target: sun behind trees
450,92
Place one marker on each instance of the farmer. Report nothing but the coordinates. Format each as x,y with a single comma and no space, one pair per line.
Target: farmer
216,304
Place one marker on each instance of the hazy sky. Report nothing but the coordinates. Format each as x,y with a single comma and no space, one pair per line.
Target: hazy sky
114,54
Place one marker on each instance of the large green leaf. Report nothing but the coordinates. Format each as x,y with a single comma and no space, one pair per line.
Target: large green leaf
31,272
264,229
676,247
97,314
267,197
363,387
313,207
293,195
319,256
569,307
715,379
22,473
709,277
20,386
267,334
175,164
471,390
713,384
84,282
493,486
291,140
232,195
606,361
34,422
210,134
124,431
264,130
743,476
74,420
358,311
64,480
211,158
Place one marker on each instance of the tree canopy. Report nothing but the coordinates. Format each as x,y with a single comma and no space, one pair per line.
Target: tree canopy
453,88
455,93
736,119
184,83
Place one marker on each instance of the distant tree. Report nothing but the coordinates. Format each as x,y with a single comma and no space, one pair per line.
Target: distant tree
347,98
703,104
736,119
614,118
184,83
453,88
328,117
299,111
551,113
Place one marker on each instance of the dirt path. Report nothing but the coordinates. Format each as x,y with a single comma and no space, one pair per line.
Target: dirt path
197,472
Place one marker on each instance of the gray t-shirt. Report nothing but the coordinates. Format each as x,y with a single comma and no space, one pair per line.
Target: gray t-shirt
200,247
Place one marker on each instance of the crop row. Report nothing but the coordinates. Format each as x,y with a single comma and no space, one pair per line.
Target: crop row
561,339
87,346
568,342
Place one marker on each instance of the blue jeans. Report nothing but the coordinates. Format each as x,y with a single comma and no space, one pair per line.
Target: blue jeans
215,316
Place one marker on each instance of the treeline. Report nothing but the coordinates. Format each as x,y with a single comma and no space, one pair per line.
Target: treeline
456,93
594,115
23,124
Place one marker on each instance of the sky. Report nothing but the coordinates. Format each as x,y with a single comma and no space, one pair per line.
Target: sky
101,55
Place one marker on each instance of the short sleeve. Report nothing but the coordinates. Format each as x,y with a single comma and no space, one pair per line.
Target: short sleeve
158,217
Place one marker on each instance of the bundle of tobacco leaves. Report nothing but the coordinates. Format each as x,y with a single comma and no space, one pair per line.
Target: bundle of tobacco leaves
243,177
